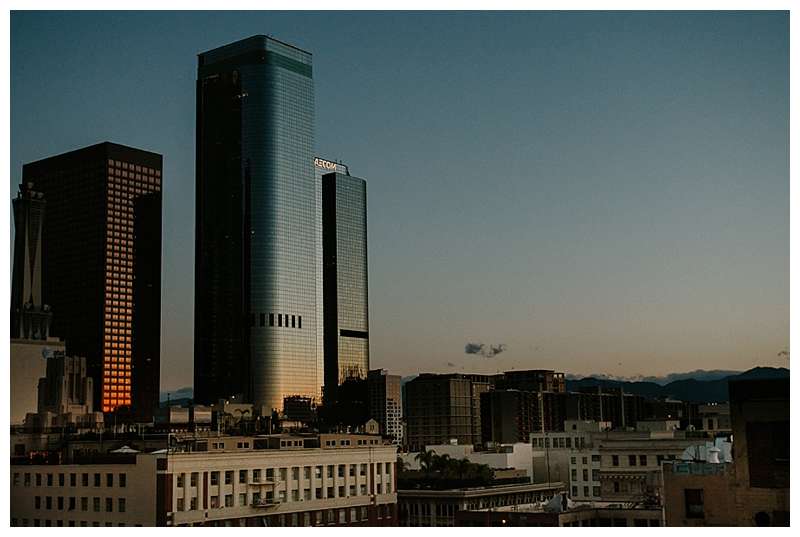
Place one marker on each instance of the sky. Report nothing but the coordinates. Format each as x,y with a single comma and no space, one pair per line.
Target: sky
598,192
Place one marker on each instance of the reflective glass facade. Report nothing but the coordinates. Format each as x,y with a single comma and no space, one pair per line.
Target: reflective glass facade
346,310
256,310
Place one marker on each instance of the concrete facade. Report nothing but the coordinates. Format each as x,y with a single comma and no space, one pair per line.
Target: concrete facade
117,491
440,507
240,481
519,456
28,365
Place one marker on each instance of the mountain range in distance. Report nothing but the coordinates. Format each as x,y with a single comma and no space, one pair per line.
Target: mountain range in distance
694,386
710,387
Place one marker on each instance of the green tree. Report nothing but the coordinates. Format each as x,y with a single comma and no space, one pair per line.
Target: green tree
425,458
440,464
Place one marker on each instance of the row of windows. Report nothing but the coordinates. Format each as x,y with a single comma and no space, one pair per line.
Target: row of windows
49,480
70,503
36,522
559,442
255,498
595,491
329,516
270,474
361,442
595,474
585,460
641,459
284,320
609,522
134,167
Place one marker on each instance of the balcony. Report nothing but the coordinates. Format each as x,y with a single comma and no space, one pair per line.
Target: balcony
266,503
263,483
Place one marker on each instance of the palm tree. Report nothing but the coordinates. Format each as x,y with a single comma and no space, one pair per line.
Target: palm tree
483,473
463,466
402,465
425,458
441,463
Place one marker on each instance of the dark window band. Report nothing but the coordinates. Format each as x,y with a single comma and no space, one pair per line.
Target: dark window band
354,333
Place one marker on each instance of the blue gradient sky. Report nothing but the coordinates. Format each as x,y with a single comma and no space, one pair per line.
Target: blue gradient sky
602,192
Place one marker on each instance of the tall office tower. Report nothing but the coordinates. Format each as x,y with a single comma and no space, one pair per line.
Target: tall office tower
255,253
101,266
344,277
385,403
30,318
321,167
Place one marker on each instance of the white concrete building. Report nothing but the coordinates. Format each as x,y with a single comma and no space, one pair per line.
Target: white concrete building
110,491
517,456
257,481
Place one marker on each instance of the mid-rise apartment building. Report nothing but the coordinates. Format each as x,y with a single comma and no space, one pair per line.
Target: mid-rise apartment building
439,408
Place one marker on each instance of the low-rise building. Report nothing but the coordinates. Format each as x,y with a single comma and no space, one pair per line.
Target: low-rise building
426,507
64,397
249,481
715,417
28,364
581,515
518,456
552,451
599,464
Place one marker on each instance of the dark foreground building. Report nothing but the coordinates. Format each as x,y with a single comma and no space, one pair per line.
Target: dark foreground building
256,271
101,266
753,490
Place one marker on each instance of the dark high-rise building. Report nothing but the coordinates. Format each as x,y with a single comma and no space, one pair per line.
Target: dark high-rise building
508,416
256,255
344,277
439,408
610,404
532,380
101,265
146,335
30,318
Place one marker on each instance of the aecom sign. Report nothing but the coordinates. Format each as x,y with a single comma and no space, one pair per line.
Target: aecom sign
325,164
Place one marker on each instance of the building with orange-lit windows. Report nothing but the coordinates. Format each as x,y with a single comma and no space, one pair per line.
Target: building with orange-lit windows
101,266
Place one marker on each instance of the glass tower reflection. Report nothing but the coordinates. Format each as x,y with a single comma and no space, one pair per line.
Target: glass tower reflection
345,294
256,310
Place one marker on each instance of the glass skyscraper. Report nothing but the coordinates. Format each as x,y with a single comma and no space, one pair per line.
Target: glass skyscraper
345,289
256,307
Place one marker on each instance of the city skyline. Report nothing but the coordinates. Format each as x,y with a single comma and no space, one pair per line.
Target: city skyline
501,220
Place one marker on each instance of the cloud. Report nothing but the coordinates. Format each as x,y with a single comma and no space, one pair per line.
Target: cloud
483,350
473,348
